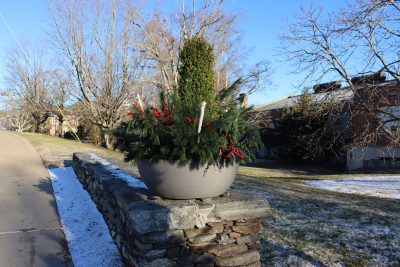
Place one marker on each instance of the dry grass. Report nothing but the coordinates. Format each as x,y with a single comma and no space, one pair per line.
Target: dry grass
301,175
315,227
58,152
308,226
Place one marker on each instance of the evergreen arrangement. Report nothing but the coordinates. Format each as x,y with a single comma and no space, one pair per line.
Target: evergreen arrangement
170,131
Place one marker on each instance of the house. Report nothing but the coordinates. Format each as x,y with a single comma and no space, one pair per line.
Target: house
265,115
55,128
381,97
384,98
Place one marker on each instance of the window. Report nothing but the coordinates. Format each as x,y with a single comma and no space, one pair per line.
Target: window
390,117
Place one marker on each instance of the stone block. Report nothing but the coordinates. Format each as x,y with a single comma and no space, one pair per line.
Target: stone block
185,260
164,262
190,233
114,184
203,238
170,236
165,245
142,246
168,214
224,240
154,253
256,264
203,213
234,235
204,259
208,230
201,247
246,228
128,256
243,258
174,252
204,264
240,206
127,194
147,217
255,245
217,227
247,239
242,209
182,216
227,250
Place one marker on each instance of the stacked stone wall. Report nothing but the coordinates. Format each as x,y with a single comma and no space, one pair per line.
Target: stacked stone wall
151,231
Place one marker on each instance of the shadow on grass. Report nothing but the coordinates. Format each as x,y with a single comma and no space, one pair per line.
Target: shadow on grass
327,220
292,252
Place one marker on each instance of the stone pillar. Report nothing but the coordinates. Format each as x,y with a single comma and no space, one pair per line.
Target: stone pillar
150,231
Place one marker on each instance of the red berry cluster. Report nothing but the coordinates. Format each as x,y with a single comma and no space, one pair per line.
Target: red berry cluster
189,119
231,150
164,115
136,107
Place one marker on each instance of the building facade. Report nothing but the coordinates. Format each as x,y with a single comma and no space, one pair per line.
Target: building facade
55,127
373,113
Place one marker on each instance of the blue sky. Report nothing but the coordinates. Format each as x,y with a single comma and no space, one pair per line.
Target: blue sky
263,20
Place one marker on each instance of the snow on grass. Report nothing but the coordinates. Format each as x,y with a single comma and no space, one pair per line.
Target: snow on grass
387,186
134,182
89,240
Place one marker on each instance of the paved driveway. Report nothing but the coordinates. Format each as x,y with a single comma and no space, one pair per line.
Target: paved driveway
30,230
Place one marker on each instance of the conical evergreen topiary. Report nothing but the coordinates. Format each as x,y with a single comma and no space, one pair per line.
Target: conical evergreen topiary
196,77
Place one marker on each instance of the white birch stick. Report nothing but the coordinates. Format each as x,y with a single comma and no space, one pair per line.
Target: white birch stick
140,102
202,108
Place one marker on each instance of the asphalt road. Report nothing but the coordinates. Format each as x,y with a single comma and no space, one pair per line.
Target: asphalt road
30,230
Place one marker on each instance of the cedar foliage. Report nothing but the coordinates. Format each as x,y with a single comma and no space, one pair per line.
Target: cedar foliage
163,133
196,81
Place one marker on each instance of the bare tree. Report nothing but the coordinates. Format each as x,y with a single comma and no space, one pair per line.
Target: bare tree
95,38
164,34
3,119
361,39
61,88
28,84
19,120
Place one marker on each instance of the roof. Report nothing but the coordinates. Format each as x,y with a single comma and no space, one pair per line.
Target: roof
344,93
341,94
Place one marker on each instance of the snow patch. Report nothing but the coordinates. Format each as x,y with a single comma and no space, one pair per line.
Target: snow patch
89,240
386,186
134,182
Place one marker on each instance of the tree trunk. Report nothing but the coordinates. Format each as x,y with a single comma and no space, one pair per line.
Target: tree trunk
36,127
59,127
109,141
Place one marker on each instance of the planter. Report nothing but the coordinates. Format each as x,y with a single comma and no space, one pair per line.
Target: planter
169,180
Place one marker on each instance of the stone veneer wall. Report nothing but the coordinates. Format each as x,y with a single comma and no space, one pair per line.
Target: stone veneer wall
150,231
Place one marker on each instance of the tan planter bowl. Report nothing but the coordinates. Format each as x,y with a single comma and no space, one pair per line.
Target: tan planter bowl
168,180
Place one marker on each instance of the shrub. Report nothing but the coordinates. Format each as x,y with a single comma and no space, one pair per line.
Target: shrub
196,81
